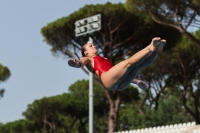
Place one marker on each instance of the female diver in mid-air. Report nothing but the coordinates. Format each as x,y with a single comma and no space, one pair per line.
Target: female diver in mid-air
119,76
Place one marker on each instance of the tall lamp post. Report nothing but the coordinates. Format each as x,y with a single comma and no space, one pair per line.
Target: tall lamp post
82,27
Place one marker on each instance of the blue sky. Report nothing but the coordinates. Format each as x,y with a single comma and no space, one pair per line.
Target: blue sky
36,73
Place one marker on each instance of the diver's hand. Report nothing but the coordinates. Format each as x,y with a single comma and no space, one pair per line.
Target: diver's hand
142,84
73,63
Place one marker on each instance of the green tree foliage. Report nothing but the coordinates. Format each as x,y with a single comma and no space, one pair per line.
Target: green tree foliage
122,34
178,14
80,90
186,73
18,126
68,112
169,112
176,72
57,111
129,117
4,75
121,30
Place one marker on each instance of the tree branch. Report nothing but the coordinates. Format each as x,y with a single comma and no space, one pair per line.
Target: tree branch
117,27
177,26
191,19
187,108
175,14
135,103
128,39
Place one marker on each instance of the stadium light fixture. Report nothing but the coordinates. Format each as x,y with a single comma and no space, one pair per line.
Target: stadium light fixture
88,25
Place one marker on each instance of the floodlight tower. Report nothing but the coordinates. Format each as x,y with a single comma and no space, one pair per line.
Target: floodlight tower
82,27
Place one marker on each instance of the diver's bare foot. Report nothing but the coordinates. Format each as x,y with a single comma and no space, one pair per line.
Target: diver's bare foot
161,45
154,43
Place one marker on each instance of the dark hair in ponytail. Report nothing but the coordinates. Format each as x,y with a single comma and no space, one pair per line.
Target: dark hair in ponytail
83,50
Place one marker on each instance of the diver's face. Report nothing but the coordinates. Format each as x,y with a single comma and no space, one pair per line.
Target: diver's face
90,50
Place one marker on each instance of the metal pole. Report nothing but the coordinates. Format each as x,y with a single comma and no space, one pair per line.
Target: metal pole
85,26
91,109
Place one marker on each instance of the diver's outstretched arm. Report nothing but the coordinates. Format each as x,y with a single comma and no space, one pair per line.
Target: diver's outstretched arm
77,64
